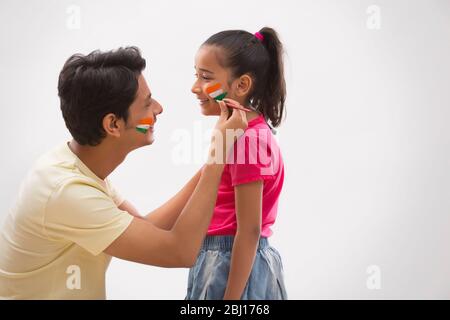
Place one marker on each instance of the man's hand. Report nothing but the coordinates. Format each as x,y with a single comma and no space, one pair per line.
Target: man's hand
226,132
238,119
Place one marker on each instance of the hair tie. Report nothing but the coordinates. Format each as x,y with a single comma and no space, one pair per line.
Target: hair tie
259,36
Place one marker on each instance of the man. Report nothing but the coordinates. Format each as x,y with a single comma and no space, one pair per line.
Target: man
68,219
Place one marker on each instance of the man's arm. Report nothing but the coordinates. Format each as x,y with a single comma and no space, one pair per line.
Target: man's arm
144,242
165,216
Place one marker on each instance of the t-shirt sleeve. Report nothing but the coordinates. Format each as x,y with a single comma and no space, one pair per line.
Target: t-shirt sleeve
115,194
253,159
79,212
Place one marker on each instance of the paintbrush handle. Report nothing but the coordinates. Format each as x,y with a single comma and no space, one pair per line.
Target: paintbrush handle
234,107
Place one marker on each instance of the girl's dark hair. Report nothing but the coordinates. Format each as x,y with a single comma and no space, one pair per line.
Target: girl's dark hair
244,53
91,86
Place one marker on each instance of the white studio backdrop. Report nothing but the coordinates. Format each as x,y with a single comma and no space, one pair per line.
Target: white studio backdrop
364,213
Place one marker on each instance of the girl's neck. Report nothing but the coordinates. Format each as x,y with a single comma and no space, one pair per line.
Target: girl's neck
252,115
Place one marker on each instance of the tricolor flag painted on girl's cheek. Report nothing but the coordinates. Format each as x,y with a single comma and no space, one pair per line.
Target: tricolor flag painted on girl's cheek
144,125
216,92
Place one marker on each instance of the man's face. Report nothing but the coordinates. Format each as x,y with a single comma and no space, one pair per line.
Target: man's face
143,107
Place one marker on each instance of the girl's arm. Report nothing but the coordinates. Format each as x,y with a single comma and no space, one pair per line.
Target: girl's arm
248,199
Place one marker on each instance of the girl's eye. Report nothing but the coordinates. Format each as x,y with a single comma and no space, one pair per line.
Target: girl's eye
203,77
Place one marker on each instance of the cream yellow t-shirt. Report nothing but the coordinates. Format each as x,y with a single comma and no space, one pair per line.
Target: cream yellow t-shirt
52,241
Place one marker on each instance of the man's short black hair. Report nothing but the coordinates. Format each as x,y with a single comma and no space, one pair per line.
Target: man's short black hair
94,85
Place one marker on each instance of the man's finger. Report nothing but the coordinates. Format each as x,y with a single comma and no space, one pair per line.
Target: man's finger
223,111
238,113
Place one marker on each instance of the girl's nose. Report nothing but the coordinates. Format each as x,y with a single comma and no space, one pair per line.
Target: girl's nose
196,89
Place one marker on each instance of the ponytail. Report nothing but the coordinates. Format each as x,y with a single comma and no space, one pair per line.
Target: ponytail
274,94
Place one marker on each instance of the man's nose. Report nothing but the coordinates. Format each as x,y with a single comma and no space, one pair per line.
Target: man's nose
159,109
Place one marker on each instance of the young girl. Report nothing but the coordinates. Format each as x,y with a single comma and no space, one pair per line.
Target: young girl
236,260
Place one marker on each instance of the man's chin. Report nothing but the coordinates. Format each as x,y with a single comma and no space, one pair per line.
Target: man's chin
147,142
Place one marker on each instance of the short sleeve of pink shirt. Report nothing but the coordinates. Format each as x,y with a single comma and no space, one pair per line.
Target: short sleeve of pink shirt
256,155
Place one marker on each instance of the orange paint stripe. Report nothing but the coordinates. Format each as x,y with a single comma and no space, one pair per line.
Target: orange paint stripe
213,88
149,121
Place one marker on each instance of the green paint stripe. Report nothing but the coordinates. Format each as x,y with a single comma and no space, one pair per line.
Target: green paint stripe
141,130
221,97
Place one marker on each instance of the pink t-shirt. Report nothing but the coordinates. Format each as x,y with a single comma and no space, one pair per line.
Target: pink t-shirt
256,157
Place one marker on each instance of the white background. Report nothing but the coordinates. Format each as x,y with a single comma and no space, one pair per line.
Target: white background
365,141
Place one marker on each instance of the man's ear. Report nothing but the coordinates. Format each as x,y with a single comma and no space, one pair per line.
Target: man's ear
112,125
243,85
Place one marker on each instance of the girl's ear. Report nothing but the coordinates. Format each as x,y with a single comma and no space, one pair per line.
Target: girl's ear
243,86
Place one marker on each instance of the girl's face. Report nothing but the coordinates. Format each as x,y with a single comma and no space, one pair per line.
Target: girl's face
209,72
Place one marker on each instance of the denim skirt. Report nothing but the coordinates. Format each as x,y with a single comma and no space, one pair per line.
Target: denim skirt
208,277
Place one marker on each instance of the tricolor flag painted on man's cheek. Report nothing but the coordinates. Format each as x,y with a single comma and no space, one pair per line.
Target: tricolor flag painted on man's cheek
145,124
216,92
